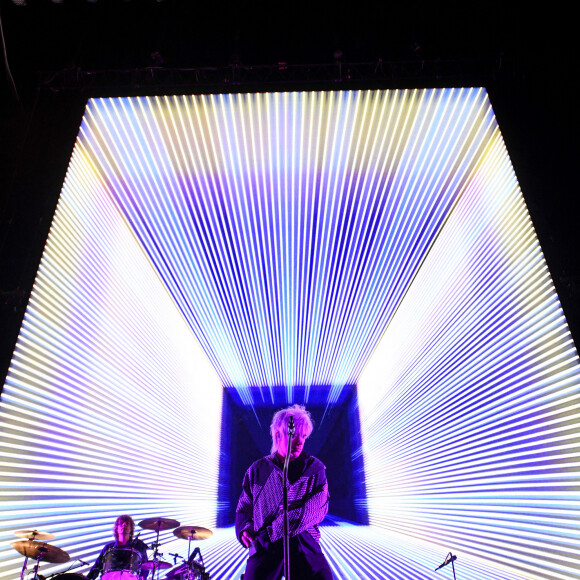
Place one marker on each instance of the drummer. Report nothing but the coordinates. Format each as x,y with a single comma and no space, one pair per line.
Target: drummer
123,532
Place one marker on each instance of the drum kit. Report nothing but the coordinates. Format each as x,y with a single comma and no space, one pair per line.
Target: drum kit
119,563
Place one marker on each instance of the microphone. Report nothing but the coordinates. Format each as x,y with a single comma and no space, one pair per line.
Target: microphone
291,427
83,562
448,559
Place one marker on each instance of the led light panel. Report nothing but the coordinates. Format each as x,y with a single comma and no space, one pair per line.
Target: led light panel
270,242
469,404
289,221
110,405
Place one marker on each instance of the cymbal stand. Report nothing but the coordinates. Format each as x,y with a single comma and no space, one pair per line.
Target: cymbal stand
24,568
156,555
35,574
189,565
24,571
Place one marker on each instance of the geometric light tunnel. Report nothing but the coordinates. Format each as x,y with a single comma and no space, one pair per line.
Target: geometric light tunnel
266,243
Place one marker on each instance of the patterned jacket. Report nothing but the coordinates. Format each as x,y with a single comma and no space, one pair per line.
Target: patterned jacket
260,505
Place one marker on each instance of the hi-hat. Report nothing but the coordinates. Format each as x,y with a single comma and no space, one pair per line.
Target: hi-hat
34,535
41,551
157,564
158,524
192,533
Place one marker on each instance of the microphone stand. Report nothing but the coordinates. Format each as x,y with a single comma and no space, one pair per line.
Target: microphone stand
449,558
291,430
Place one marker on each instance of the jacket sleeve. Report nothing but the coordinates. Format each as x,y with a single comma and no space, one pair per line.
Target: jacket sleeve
98,565
306,511
245,509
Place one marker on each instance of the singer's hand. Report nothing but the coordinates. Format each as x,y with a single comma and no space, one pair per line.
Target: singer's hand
247,538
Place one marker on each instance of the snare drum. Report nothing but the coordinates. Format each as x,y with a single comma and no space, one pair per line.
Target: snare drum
121,564
69,576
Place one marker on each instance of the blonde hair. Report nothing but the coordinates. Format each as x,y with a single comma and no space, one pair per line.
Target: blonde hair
302,422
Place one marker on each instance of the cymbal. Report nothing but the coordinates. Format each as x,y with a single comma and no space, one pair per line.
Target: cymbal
41,551
34,535
159,565
192,533
158,524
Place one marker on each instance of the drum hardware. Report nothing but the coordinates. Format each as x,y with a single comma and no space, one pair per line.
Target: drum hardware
31,535
155,565
188,571
39,551
67,576
175,558
121,563
176,572
190,533
157,525
34,535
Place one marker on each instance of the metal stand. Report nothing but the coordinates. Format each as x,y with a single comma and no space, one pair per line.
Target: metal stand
35,573
24,568
31,536
449,559
291,430
157,564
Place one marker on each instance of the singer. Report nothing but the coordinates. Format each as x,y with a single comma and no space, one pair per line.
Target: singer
121,550
259,515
